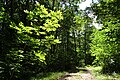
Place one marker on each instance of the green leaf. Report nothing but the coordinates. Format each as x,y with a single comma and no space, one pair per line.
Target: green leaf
41,56
57,41
42,32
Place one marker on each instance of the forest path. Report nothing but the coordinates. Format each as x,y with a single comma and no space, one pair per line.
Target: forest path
85,75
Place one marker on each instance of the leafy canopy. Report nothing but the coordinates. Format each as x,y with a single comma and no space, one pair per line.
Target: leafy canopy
38,32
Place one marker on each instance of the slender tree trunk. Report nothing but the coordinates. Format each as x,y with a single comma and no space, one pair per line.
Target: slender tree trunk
11,12
53,4
85,45
74,41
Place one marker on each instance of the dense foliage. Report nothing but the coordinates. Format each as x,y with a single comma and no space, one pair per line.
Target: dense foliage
55,35
105,42
32,42
38,36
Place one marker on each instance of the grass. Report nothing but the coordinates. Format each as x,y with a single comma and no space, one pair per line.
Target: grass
48,76
96,71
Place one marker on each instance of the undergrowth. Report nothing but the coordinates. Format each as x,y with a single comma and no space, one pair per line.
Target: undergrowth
48,76
97,73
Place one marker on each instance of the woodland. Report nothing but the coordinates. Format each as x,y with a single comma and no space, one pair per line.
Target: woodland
56,35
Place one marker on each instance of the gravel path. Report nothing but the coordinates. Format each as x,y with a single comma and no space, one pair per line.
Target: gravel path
85,75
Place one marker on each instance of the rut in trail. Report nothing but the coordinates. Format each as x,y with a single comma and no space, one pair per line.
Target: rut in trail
85,75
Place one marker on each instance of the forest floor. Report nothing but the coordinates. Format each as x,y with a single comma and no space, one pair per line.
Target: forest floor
87,73
84,74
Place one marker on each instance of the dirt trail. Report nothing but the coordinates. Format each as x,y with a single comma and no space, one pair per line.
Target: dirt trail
85,75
